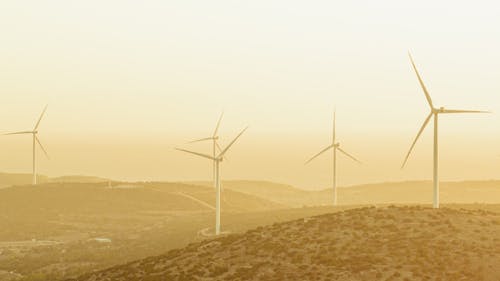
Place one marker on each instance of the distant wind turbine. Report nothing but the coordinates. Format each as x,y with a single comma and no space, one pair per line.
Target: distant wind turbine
215,145
434,111
217,159
34,133
336,146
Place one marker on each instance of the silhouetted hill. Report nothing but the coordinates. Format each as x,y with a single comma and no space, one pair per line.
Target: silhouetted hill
10,179
392,243
409,192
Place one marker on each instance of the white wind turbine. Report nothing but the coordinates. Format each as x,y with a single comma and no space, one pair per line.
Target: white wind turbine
217,159
336,146
434,112
215,145
34,133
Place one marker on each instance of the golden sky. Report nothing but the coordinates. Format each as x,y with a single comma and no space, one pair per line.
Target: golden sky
126,81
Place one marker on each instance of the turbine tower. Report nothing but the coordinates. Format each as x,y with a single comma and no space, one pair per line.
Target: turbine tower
34,133
215,145
336,146
217,160
434,112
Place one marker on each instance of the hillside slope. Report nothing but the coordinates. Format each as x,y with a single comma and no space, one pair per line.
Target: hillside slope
394,243
53,231
23,209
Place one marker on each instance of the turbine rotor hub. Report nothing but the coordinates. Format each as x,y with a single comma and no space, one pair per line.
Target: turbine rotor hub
438,110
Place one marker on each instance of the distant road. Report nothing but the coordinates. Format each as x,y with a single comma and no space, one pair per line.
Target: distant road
197,200
28,243
201,202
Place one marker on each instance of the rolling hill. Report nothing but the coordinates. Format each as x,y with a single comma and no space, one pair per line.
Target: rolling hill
144,219
409,192
22,206
391,243
55,230
9,179
280,193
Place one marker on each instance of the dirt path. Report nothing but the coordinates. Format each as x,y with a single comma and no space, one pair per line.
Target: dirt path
197,200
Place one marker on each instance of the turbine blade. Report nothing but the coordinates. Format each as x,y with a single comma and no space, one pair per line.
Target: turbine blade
218,124
463,111
427,96
41,146
416,138
41,116
319,153
196,153
19,133
334,121
231,143
203,139
349,155
220,149
218,146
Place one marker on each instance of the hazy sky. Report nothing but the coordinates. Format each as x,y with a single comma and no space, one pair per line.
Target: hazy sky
126,81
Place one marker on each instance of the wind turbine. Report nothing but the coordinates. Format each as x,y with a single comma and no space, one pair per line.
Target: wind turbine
434,112
34,133
336,146
217,160
215,145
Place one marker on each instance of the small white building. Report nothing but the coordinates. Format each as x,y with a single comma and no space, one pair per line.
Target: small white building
101,240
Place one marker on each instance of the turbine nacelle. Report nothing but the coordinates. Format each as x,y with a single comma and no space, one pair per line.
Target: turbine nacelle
438,110
434,110
221,155
217,159
434,113
335,146
34,132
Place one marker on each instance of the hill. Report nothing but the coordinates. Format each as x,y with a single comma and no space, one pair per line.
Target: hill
409,192
11,179
394,243
420,192
276,192
21,206
59,230
8,179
